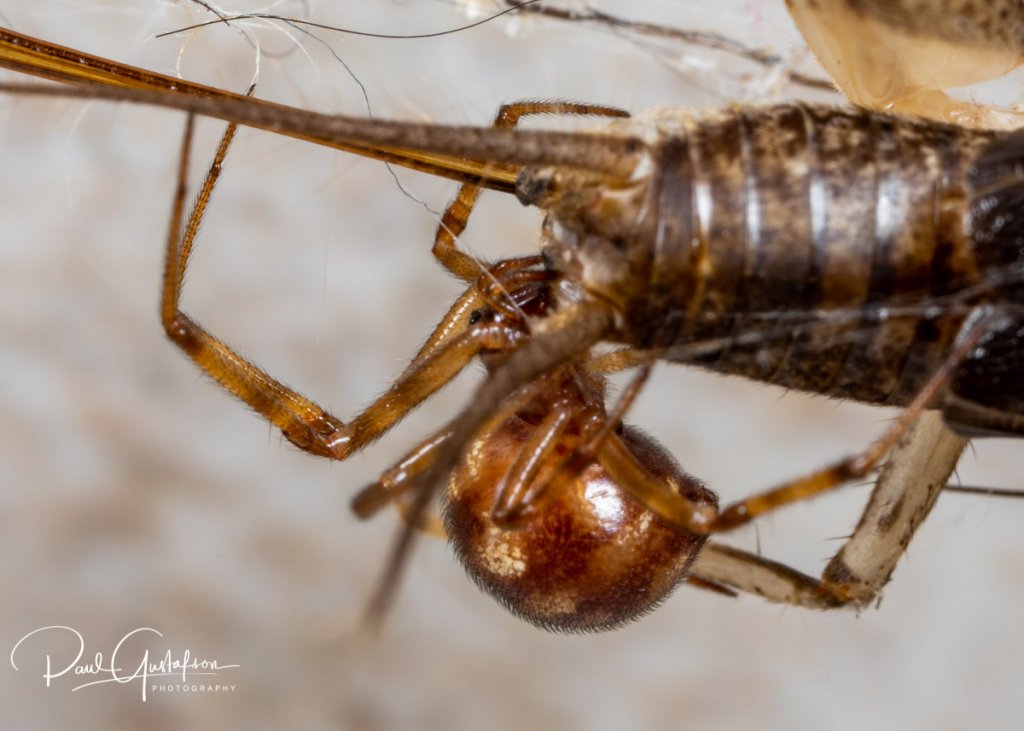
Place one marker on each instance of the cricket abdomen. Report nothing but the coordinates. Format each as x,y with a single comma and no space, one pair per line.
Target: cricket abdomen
835,246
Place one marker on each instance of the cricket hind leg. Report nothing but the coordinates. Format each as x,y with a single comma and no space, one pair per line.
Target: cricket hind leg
905,492
907,488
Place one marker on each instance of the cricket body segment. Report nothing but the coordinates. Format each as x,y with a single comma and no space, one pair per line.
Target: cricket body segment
826,233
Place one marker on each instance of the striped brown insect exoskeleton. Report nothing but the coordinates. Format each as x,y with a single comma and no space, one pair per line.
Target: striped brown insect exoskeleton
852,254
899,57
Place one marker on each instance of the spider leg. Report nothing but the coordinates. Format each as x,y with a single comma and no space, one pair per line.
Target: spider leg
302,421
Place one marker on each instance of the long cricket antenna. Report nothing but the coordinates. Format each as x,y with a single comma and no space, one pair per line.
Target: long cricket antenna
485,156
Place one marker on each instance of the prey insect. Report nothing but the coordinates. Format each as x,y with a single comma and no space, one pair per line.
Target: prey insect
649,235
890,56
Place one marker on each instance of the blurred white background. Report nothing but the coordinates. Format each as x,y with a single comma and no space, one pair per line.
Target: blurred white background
134,493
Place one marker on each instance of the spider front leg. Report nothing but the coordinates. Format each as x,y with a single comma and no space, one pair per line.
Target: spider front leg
303,422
